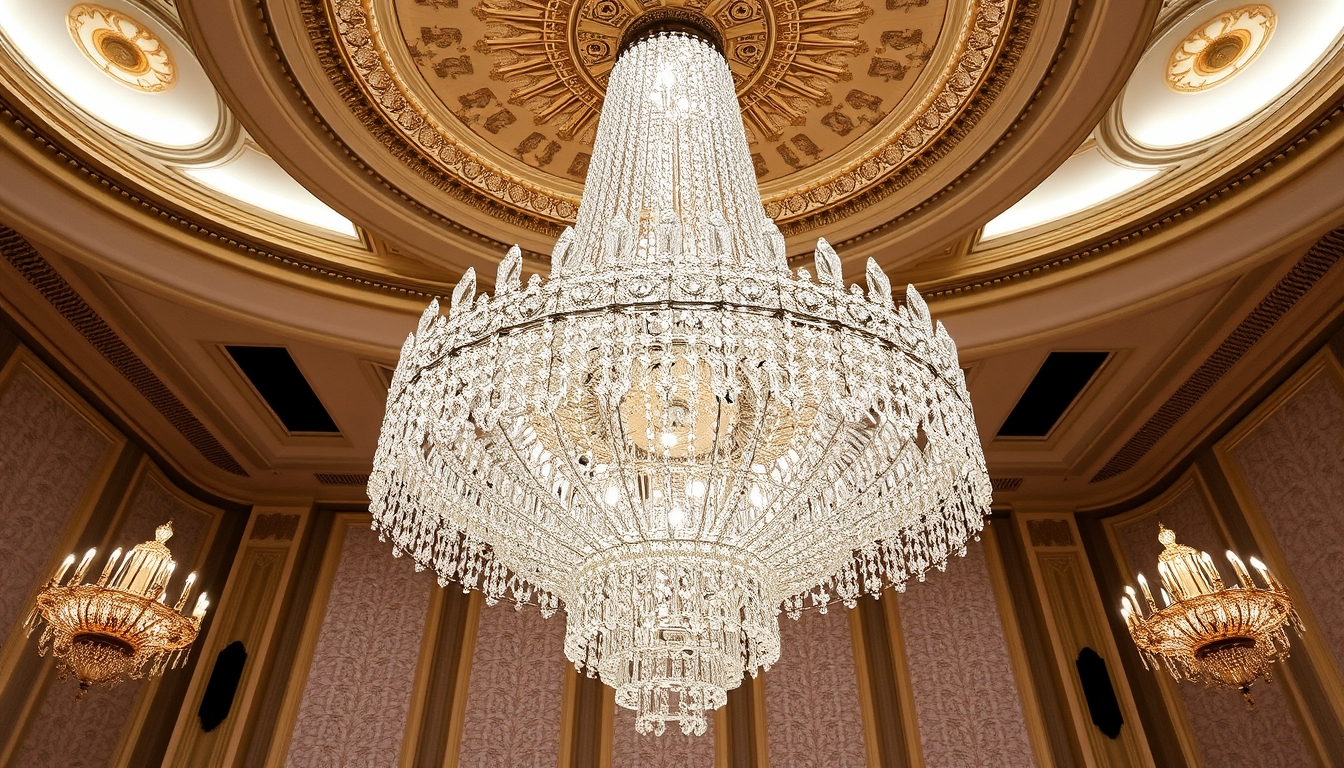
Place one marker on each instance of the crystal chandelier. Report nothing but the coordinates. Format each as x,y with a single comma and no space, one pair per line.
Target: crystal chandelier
675,436
1225,637
119,626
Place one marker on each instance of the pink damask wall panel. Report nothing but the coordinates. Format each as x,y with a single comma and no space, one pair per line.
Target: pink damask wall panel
358,693
671,750
812,713
1294,465
86,736
966,695
1225,732
48,457
515,692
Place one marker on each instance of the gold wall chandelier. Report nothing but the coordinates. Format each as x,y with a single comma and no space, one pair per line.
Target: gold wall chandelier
1224,637
675,435
121,625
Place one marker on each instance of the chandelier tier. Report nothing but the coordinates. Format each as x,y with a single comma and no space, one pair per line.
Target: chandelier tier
121,625
1224,637
674,435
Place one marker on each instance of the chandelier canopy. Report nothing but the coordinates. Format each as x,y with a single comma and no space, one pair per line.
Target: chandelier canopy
674,435
1225,637
121,625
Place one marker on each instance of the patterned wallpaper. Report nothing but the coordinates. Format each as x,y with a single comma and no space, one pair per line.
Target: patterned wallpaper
48,455
1226,734
966,695
515,692
358,694
1294,464
86,736
812,713
671,750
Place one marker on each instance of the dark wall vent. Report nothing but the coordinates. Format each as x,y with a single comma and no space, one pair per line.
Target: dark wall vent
1100,694
281,384
1062,378
342,478
223,685
1005,484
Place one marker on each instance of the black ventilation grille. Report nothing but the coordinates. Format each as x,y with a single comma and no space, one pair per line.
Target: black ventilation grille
280,383
1062,377
342,478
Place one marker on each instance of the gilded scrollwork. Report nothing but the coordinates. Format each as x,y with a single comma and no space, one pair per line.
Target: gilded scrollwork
543,64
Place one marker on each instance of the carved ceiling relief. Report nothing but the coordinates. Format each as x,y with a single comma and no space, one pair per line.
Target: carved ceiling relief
529,75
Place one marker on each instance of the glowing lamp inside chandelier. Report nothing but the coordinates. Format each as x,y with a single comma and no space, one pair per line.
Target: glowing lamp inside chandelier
674,436
1225,637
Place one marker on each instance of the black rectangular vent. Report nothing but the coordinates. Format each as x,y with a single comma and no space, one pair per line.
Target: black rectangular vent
1062,377
281,384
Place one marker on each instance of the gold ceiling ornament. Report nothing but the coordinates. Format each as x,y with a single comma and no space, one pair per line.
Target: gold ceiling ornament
1220,48
675,436
120,626
480,101
783,54
1224,637
122,47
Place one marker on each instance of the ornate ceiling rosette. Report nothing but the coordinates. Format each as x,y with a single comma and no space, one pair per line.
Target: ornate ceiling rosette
838,96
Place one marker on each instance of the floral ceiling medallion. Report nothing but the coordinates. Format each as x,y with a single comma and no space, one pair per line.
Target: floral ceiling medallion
123,48
837,96
1220,48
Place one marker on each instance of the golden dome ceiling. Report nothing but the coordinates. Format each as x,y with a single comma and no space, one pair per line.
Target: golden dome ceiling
837,96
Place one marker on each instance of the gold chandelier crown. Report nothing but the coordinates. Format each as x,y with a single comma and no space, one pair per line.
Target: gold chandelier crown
1206,632
119,626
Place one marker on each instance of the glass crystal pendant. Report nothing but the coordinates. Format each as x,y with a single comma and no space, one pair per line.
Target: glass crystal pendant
675,437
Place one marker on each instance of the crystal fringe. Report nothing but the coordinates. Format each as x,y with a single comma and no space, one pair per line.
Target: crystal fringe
674,435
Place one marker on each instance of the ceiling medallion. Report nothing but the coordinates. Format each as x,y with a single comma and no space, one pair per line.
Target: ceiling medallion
783,55
505,100
1220,48
674,436
123,48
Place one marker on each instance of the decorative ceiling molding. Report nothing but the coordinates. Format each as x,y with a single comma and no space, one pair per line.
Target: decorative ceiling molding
1265,167
346,38
62,296
1294,285
70,159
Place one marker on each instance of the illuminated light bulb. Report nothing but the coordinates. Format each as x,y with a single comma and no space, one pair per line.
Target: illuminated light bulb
202,603
1166,598
676,517
83,566
65,566
696,489
1239,568
612,496
669,439
107,569
757,498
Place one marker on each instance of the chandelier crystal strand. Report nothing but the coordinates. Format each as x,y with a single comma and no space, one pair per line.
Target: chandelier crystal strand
675,436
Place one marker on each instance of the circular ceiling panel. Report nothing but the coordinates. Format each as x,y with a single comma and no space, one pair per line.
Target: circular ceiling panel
836,95
1222,64
118,64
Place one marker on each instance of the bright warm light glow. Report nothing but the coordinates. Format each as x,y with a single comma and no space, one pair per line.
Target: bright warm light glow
1158,116
1083,181
185,116
255,179
608,449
